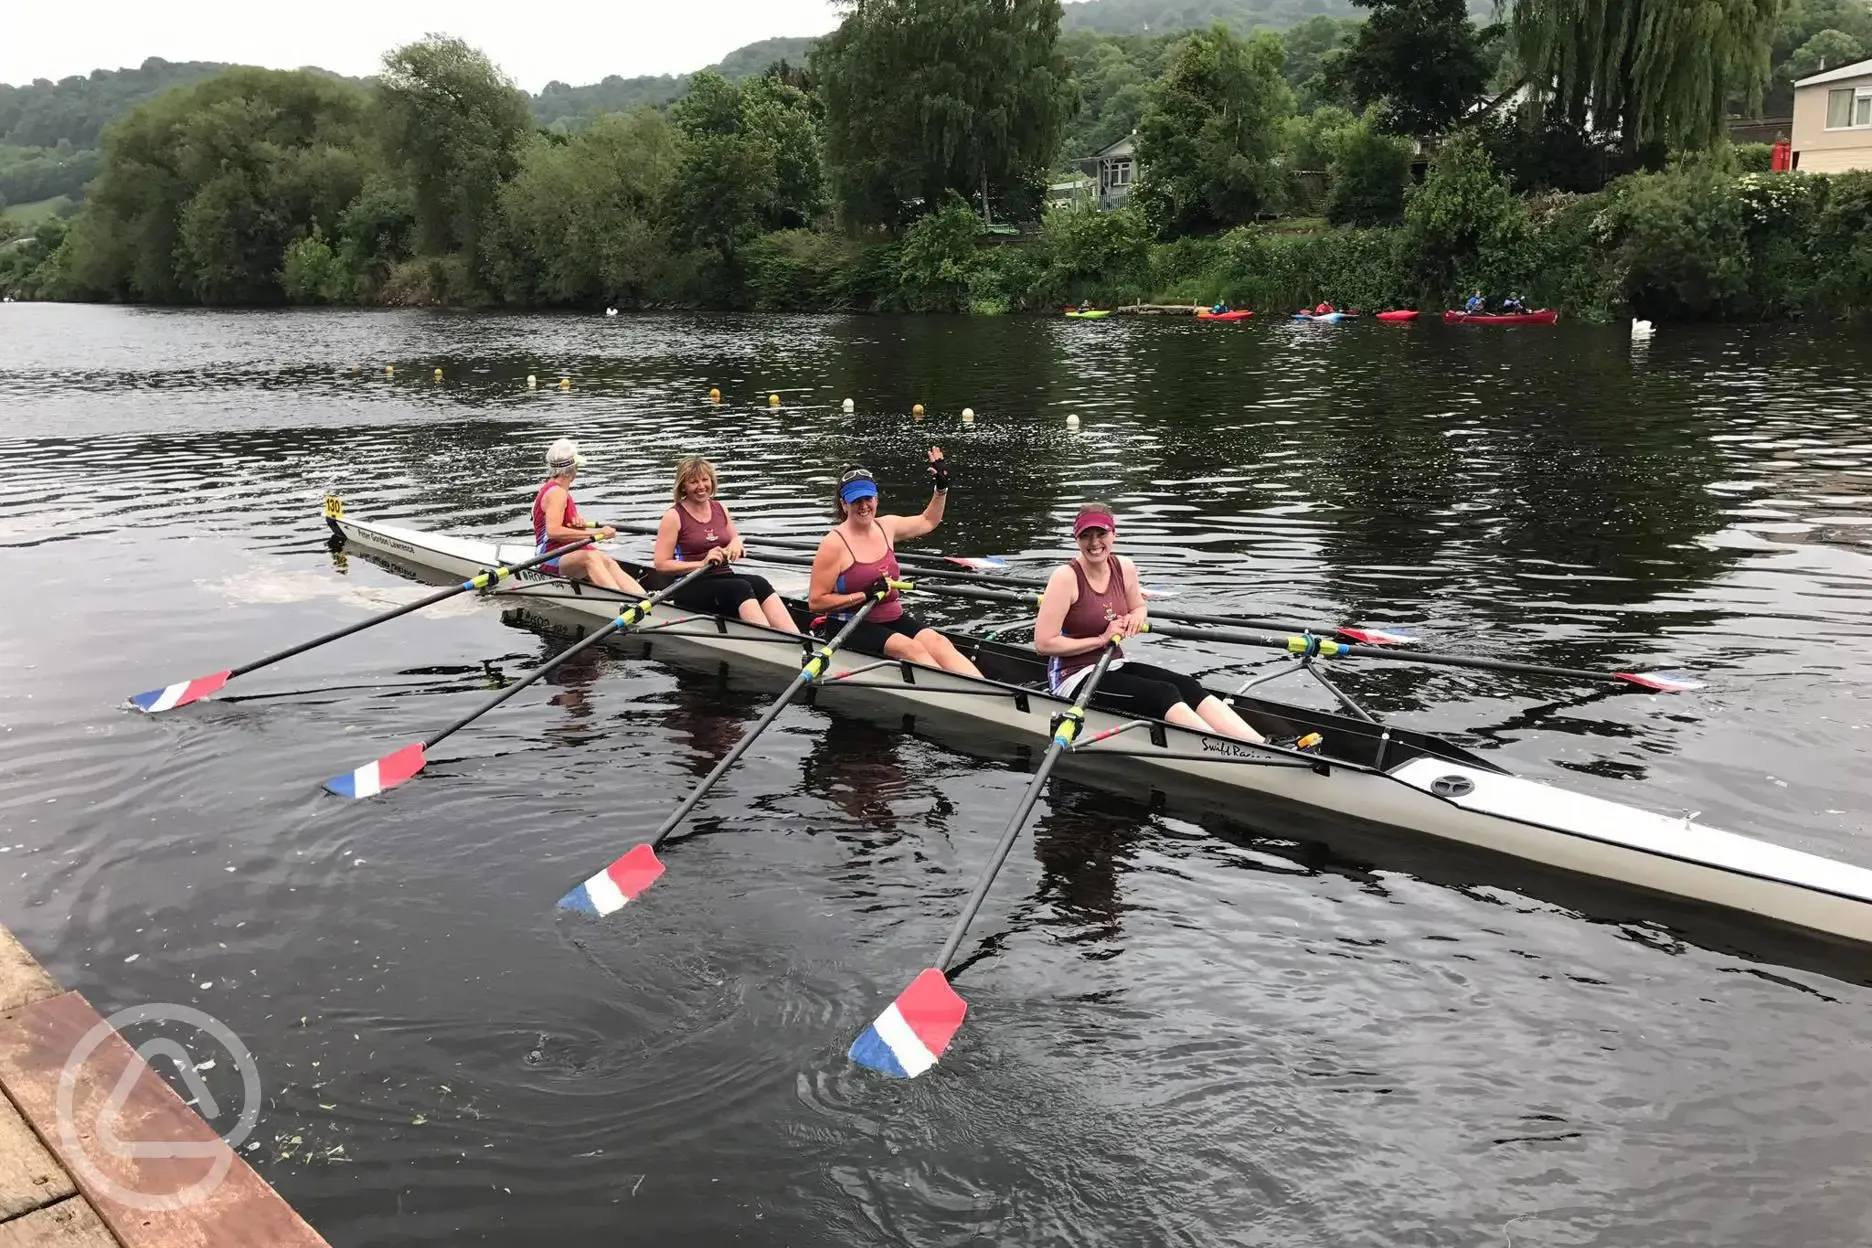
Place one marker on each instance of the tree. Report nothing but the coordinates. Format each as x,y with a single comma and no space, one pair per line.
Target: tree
1314,49
1658,73
1421,58
1370,171
1210,141
203,189
455,126
926,98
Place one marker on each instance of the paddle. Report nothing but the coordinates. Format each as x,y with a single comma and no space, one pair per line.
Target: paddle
1312,644
183,692
626,879
394,768
1309,645
914,1030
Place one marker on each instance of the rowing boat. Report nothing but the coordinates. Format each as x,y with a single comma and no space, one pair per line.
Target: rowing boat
1381,774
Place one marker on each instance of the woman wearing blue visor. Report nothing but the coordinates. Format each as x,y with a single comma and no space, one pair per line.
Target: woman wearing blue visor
861,553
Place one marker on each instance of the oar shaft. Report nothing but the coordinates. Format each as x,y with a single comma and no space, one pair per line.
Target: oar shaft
1344,649
628,619
1061,739
821,659
480,580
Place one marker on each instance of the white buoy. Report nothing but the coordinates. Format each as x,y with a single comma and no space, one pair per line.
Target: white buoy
610,311
968,415
532,381
848,405
1072,420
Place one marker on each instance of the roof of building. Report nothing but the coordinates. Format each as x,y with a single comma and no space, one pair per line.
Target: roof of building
1858,69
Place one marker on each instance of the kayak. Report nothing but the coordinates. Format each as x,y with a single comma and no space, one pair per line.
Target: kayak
1094,315
1237,315
1398,316
1329,318
1545,316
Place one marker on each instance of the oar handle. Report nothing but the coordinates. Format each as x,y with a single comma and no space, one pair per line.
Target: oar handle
1066,729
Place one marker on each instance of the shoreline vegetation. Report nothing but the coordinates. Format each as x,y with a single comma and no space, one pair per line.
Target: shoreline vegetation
1399,162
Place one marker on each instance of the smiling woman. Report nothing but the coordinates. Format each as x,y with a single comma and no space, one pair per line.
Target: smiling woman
861,553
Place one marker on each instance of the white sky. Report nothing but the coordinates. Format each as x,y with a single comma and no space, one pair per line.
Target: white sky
533,43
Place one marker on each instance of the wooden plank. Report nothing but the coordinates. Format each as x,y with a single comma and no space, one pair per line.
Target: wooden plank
69,1224
22,979
29,1177
237,1211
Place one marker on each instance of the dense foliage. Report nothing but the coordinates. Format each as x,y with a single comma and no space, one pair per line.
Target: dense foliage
890,166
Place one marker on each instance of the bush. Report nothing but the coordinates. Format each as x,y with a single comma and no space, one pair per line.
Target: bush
430,281
1753,157
938,253
1092,251
1370,172
795,271
1463,227
312,272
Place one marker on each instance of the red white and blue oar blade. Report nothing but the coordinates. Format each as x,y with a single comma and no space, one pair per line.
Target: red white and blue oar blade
1154,592
386,773
981,563
1377,636
180,694
1660,682
914,1030
617,885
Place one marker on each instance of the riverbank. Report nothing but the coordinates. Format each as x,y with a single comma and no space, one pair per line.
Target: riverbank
1694,244
116,1159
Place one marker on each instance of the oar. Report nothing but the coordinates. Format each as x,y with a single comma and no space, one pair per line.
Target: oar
1309,645
626,879
915,1029
394,768
183,692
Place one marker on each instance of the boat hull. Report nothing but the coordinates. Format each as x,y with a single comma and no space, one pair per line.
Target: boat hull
1382,775
1224,316
1409,315
1098,315
1545,316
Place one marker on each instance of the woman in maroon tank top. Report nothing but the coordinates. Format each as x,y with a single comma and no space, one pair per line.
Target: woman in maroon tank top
1096,595
861,553
698,531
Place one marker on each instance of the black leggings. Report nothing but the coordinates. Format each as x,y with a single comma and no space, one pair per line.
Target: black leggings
723,594
869,638
1147,691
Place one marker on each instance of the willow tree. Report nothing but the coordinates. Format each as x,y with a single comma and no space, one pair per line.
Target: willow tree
1654,72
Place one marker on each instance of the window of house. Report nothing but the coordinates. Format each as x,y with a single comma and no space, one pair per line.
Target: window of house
1849,108
1121,173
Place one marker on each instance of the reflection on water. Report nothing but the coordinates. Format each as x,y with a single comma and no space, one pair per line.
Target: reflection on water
1187,1027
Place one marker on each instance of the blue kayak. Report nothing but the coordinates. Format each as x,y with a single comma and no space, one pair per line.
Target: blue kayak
1329,317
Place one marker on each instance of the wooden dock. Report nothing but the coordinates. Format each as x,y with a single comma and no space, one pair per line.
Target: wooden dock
60,1187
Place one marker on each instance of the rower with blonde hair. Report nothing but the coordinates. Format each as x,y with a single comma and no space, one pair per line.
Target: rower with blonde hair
698,531
556,521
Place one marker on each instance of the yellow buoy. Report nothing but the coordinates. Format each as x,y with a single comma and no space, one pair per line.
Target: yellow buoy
438,374
389,370
532,381
565,383
917,410
714,395
773,400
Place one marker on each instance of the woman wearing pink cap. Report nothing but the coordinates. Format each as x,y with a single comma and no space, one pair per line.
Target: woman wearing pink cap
1082,603
861,553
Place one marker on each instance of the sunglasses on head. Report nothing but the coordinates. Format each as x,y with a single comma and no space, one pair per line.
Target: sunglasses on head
856,474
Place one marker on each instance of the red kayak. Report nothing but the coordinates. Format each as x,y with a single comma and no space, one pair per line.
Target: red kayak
1397,316
1546,316
1237,315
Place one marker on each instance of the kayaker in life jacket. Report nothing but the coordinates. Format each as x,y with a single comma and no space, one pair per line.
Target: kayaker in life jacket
1475,305
1513,304
1219,308
1325,309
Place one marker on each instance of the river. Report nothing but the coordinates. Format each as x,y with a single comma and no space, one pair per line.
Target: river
1187,1027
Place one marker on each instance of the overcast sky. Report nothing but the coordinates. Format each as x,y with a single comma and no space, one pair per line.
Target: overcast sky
534,43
